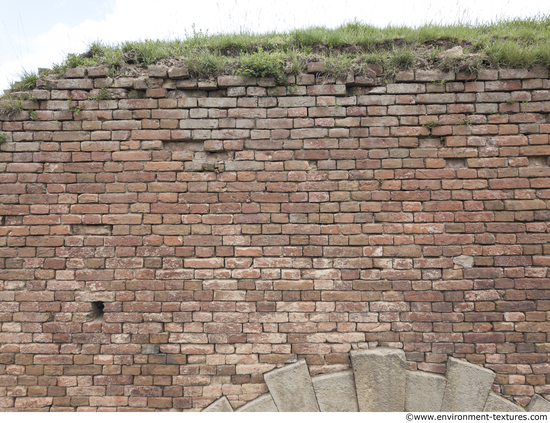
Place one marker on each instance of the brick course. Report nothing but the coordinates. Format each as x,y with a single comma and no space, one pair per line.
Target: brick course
230,227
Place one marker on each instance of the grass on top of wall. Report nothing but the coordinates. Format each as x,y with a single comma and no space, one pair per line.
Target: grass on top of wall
517,43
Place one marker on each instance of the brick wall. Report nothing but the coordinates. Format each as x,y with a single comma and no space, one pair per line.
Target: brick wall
166,241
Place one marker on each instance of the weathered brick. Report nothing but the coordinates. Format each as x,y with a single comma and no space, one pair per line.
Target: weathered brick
337,90
225,231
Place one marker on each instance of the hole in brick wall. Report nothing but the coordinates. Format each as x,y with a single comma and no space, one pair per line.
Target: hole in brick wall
539,161
135,93
183,145
13,220
455,163
92,229
214,155
213,167
97,310
150,349
2,220
431,142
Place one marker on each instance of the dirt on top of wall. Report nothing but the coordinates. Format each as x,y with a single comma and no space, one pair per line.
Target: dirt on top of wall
516,44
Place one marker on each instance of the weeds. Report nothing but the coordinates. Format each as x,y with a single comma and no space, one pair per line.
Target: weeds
3,137
103,94
33,115
402,59
73,107
292,89
346,49
28,82
74,61
11,104
432,123
262,64
206,64
136,94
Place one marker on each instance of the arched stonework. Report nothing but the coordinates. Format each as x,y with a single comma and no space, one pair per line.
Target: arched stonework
378,381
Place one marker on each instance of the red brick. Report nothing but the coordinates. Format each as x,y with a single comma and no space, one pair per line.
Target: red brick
138,104
319,219
326,90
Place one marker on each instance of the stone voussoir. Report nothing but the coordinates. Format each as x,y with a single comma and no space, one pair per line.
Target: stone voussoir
336,392
539,405
221,405
424,391
380,379
376,383
291,388
264,404
501,405
468,386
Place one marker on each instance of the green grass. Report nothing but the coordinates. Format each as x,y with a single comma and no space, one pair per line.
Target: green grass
27,82
513,43
10,105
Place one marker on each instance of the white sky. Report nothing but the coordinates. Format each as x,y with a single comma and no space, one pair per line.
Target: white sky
40,33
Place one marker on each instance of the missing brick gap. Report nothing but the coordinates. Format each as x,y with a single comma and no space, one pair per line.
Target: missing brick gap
455,163
183,145
97,310
538,161
91,229
150,349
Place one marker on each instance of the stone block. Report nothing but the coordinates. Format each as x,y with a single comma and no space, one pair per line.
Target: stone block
314,67
157,71
208,85
263,404
424,392
219,406
75,73
98,71
291,388
539,405
177,73
336,392
379,379
75,84
468,386
501,405
433,75
235,81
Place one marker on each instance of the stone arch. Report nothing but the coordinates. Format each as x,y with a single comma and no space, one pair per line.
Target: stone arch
378,381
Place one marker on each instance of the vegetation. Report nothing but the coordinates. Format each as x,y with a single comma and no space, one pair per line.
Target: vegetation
432,123
262,64
73,108
33,115
103,94
517,43
11,105
28,82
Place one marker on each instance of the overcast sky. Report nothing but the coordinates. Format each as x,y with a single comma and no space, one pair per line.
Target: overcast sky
40,33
